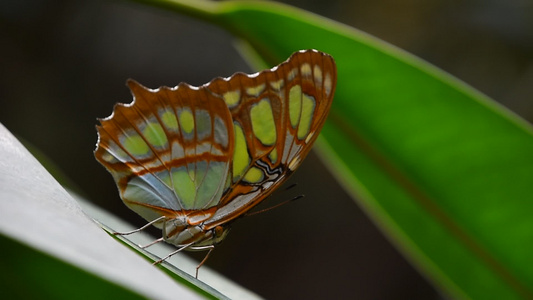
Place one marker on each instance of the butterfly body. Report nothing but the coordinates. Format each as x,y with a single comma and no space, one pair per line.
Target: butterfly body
193,159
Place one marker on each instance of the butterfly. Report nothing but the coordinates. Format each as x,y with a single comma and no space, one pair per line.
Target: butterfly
190,160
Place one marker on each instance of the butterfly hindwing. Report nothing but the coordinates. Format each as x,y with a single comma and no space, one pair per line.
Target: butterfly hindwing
169,151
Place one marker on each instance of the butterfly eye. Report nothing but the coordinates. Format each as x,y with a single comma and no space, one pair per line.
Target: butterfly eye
219,231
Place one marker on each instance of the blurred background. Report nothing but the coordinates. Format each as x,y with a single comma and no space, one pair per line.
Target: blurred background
65,63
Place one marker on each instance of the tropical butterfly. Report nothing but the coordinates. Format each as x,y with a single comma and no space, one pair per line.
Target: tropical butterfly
190,160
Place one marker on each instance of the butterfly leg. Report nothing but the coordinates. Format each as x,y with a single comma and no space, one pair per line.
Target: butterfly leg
211,248
172,253
152,243
140,229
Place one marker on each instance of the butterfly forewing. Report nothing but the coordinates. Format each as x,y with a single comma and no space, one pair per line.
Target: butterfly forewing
217,150
277,115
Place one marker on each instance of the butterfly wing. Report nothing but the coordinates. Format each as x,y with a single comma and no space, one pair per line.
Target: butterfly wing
220,149
169,151
277,115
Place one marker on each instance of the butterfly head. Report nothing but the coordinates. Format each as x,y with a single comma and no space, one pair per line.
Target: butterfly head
213,236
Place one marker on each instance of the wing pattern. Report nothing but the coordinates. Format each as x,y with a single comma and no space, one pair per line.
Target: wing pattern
217,150
169,151
277,115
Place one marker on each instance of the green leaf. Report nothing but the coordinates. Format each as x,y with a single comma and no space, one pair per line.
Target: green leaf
443,170
51,245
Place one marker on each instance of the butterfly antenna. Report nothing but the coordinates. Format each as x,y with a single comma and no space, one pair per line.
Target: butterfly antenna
275,206
291,186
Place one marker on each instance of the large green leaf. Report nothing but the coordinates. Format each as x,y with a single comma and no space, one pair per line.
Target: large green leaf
444,170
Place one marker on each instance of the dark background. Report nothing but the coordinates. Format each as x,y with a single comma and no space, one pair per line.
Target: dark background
64,63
